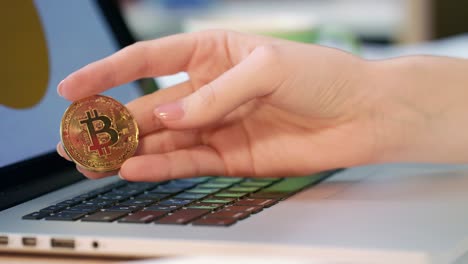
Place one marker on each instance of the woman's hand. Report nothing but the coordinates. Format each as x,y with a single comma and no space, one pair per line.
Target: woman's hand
253,106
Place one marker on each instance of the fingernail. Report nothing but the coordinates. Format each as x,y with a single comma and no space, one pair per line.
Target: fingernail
120,176
170,112
60,88
58,150
79,169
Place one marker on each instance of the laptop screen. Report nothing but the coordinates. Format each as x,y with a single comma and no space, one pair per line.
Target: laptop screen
49,40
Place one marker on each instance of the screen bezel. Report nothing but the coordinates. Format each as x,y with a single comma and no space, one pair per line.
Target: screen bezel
25,180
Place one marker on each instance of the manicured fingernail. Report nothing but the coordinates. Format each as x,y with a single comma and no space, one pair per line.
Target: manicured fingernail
170,112
58,150
60,88
79,169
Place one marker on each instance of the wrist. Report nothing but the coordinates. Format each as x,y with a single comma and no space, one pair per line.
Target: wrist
420,109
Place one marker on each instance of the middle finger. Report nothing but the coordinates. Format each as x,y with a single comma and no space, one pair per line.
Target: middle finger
142,108
167,141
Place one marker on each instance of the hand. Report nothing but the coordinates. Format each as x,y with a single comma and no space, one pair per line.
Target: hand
253,106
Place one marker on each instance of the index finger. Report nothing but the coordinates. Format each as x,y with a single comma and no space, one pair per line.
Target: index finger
152,58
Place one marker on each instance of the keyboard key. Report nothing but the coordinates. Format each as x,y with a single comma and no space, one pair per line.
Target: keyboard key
203,190
175,202
239,215
190,196
257,202
205,206
231,180
220,185
84,208
161,189
99,203
243,208
122,208
215,221
262,180
288,186
117,197
52,209
255,184
271,179
243,189
86,196
104,216
179,184
137,202
272,195
152,196
66,216
139,186
143,217
130,192
218,200
230,195
182,217
197,179
70,202
143,185
35,215
166,208
101,190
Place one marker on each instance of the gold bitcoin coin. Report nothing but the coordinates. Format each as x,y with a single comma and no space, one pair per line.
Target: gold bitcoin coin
99,133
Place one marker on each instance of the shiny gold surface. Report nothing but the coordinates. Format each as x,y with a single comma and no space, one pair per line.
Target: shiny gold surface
99,133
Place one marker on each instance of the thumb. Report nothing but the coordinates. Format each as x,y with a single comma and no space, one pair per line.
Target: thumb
256,76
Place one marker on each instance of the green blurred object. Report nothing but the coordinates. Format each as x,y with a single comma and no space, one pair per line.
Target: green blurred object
292,27
322,35
147,85
306,36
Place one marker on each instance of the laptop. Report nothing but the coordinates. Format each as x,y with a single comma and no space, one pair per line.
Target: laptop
377,214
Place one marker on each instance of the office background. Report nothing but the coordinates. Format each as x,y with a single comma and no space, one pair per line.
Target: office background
381,22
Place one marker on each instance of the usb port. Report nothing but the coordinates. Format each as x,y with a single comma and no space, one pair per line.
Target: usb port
62,243
29,241
3,240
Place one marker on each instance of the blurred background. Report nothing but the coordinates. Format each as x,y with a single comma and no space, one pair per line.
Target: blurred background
383,21
369,28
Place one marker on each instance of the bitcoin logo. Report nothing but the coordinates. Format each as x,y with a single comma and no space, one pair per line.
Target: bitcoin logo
93,134
99,133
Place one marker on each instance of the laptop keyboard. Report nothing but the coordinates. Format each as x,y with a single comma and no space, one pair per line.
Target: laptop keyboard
207,201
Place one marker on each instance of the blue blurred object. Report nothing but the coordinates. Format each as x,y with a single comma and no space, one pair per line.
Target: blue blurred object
175,4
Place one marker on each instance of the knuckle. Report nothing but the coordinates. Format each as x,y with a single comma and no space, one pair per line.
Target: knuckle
207,94
138,45
268,54
140,50
270,67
